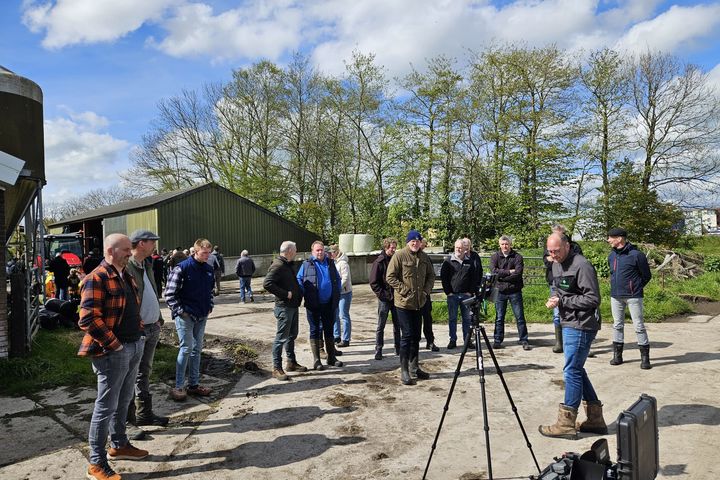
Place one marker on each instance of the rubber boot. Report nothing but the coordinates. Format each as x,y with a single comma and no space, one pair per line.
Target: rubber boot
558,347
565,425
645,357
323,354
617,354
595,422
405,377
144,412
332,359
315,348
415,371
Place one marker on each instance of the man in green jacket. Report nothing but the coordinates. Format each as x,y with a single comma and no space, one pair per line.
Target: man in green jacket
140,267
411,275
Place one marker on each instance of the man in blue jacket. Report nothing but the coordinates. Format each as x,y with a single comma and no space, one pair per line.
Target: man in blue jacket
629,273
320,285
189,295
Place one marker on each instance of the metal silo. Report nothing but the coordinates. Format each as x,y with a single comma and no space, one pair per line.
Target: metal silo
21,135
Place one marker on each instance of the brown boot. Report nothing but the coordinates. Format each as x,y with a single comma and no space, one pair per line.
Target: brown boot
595,422
565,425
279,374
293,366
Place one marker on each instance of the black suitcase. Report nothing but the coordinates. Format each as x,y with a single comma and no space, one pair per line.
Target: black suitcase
637,441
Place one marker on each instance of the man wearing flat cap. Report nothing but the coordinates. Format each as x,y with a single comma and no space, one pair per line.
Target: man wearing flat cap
140,267
629,273
410,274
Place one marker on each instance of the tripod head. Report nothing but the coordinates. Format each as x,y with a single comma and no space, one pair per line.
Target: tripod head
479,300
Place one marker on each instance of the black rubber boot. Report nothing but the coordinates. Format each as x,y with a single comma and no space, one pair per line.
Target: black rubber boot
405,377
645,357
315,349
332,354
416,372
145,414
558,348
617,354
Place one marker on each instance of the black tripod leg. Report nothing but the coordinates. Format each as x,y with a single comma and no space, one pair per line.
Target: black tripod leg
507,392
481,373
447,406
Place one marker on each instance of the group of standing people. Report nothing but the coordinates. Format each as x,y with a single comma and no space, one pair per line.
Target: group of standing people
120,314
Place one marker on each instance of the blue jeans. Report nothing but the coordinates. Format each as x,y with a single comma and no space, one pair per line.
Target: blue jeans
245,287
385,308
556,310
191,334
576,346
516,302
410,325
454,302
116,372
287,332
342,315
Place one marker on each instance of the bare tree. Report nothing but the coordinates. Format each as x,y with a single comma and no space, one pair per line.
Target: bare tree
678,128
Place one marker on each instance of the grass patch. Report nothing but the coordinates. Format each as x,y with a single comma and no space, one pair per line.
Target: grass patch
53,362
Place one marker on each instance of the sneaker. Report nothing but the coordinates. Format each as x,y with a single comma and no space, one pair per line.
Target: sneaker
293,366
526,346
378,354
451,345
497,345
102,471
279,374
343,344
199,391
178,394
128,452
134,433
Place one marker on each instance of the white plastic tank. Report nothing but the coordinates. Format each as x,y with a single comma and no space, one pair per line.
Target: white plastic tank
345,242
363,243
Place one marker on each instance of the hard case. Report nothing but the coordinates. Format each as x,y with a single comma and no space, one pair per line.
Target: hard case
637,441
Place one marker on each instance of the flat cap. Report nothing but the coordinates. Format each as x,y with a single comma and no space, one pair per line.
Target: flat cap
617,232
142,234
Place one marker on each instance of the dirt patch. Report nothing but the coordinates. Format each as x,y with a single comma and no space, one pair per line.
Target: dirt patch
345,401
473,476
379,456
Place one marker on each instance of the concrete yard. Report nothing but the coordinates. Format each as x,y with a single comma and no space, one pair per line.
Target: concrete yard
359,422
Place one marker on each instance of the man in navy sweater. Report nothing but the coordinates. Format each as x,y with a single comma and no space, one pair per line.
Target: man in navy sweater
629,273
189,295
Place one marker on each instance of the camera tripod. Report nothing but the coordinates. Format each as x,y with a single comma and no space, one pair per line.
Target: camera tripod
476,329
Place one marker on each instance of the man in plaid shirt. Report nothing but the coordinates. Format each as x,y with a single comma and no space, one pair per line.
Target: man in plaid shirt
114,338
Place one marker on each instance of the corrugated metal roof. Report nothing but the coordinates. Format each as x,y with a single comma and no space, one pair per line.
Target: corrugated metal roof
130,205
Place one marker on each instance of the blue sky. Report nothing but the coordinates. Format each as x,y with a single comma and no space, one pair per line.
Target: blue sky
104,64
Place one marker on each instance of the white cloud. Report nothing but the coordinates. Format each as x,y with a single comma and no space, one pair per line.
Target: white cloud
69,22
80,155
714,78
258,29
673,29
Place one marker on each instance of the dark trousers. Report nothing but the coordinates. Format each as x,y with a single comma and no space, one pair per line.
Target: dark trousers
385,308
321,322
410,322
426,312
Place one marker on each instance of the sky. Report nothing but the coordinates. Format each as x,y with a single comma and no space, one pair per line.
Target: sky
104,65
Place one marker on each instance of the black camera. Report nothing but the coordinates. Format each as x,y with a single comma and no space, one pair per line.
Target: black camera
485,290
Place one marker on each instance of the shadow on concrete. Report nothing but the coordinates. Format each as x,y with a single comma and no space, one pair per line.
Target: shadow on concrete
280,452
687,357
280,418
688,414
